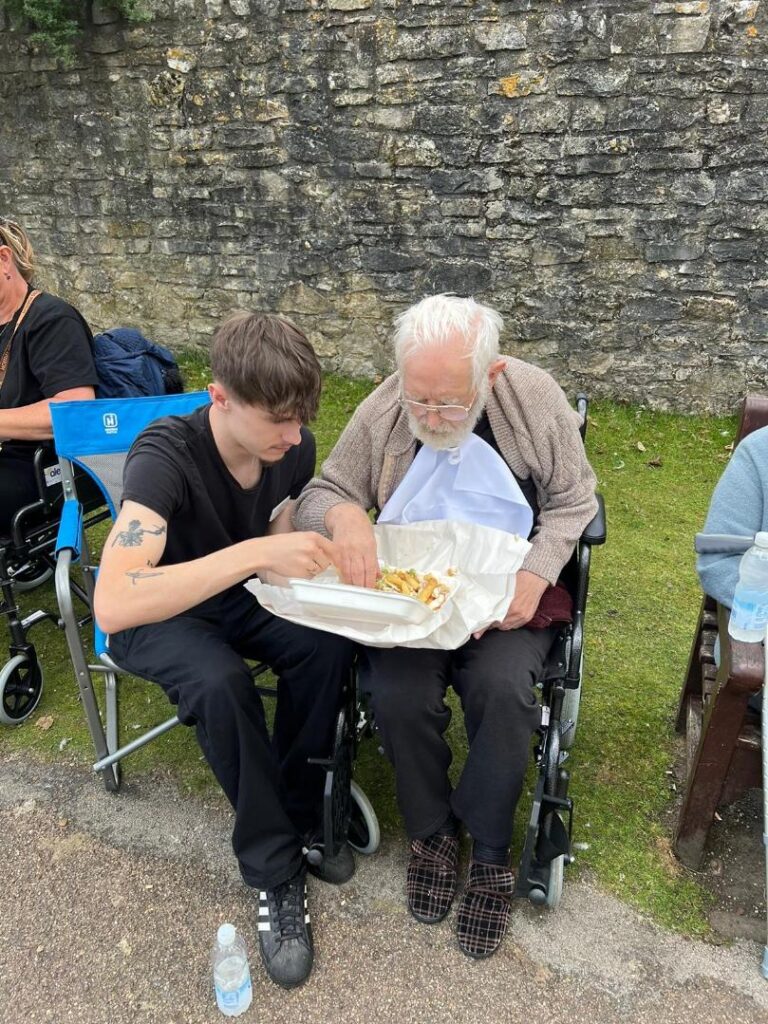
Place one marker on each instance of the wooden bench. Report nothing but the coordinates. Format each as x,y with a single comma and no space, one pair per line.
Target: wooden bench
722,735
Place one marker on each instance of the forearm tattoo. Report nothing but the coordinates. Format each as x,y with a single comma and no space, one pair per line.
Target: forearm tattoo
133,537
141,574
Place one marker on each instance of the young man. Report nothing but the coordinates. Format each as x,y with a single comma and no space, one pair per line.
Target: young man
207,503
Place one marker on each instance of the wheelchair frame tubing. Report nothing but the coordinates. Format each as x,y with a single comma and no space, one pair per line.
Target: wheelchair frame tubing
345,739
577,627
10,609
531,873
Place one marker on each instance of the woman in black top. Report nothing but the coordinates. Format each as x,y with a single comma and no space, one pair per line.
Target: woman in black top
45,356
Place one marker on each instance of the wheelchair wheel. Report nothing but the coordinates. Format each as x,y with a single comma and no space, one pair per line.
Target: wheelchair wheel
34,575
21,687
555,884
364,834
570,709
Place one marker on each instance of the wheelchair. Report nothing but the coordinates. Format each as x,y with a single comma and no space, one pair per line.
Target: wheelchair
27,561
547,844
96,436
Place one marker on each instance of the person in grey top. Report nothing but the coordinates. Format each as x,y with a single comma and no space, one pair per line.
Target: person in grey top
453,392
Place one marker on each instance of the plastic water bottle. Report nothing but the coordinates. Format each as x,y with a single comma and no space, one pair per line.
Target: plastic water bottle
749,614
231,976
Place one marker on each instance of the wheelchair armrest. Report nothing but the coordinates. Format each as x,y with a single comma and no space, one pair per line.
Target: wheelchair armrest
41,456
70,528
594,532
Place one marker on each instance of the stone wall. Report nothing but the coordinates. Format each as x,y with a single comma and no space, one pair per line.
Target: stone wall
596,170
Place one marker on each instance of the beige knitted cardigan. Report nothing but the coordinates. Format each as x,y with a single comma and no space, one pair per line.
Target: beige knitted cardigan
538,436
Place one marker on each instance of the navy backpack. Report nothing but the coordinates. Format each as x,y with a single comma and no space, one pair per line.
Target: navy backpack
131,366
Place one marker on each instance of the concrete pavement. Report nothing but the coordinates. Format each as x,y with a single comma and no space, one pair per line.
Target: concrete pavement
109,906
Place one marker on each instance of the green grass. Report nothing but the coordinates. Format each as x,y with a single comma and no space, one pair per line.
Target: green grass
642,609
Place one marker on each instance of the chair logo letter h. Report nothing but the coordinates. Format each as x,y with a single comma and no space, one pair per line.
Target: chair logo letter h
109,419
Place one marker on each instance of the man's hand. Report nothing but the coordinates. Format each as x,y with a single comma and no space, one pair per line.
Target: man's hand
298,554
528,590
357,559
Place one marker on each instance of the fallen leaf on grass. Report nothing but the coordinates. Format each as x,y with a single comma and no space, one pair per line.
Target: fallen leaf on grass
655,462
44,723
640,446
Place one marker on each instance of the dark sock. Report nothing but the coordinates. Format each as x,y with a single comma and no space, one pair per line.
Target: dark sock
490,854
450,826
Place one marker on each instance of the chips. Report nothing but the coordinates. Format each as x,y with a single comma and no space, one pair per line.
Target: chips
424,586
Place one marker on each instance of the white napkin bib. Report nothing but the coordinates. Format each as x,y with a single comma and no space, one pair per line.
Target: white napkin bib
470,484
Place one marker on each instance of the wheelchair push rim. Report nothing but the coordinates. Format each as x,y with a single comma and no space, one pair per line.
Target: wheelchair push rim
21,687
364,835
570,709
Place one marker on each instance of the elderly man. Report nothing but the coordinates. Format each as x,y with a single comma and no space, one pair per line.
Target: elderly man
454,398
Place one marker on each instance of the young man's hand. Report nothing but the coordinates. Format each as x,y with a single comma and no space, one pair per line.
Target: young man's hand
352,531
302,555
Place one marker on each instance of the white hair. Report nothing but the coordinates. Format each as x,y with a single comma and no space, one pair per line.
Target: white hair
437,319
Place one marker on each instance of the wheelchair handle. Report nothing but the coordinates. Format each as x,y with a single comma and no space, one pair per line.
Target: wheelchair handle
722,543
582,407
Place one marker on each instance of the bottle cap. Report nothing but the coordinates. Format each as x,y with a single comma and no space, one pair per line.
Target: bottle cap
761,539
226,934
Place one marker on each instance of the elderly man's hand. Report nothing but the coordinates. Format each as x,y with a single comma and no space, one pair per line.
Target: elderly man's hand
528,590
352,532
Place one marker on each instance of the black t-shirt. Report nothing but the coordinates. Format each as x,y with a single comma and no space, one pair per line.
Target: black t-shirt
175,469
51,352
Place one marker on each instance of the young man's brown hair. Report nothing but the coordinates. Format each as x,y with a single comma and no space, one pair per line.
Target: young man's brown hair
264,359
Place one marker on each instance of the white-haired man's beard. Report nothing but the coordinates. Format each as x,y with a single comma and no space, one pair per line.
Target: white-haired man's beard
450,435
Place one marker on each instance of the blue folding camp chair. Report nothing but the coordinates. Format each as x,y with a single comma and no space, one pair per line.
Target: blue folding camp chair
96,436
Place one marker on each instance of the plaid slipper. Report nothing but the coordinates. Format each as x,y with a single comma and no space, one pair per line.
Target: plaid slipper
483,913
432,877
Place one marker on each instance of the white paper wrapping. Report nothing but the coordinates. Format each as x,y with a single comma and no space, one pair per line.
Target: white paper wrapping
486,561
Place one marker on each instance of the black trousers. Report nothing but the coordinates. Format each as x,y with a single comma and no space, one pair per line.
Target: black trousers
494,678
198,661
17,488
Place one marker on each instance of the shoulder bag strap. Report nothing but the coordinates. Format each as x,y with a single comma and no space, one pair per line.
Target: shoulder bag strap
22,313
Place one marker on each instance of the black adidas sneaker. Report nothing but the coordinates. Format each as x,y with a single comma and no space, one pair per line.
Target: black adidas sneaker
285,935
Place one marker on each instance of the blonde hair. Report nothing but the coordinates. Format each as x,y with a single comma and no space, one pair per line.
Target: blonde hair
438,318
15,237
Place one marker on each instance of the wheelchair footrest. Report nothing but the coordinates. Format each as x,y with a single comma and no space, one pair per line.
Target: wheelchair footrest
547,838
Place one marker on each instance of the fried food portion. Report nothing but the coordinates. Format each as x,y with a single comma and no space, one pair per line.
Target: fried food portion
424,586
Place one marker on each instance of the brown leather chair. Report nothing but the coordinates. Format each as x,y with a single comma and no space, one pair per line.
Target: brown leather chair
721,732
